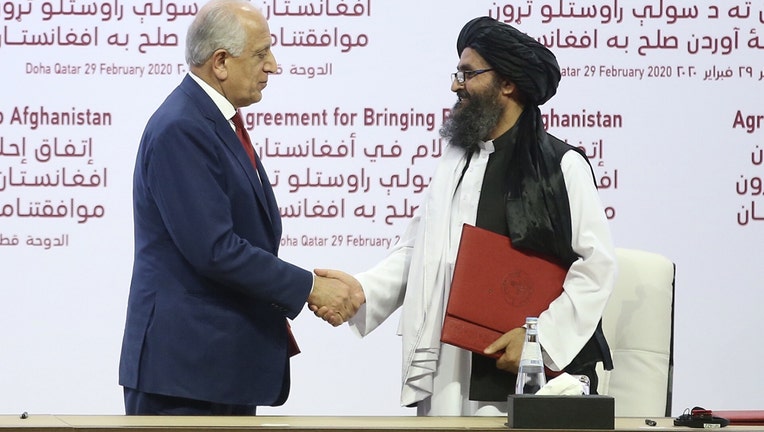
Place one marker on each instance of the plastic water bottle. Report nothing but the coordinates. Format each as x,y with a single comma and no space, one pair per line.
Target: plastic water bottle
530,374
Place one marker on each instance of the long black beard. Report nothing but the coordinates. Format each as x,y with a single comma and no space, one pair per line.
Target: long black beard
470,124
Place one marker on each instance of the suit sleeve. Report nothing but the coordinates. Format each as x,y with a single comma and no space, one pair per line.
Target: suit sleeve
206,203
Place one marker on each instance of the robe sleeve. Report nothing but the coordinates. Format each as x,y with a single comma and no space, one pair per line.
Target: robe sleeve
384,285
571,319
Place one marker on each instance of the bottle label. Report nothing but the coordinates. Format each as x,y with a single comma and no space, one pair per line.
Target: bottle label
531,355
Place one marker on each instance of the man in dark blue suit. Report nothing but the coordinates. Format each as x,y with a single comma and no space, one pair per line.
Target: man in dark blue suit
207,330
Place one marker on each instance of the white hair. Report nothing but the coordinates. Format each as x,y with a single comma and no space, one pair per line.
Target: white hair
216,26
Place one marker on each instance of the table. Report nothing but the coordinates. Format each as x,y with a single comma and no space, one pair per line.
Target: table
117,423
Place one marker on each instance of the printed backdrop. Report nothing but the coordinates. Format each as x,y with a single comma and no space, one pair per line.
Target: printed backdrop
663,95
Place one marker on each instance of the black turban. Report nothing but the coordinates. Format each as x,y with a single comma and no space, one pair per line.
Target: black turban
515,55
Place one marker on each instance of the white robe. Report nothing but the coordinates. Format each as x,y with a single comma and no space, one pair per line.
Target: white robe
417,275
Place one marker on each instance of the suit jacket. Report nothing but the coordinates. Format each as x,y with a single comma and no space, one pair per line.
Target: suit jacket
209,295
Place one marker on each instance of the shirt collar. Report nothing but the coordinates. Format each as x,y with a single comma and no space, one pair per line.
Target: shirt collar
506,140
225,107
486,145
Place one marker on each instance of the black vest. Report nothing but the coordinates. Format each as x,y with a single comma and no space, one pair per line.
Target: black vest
499,204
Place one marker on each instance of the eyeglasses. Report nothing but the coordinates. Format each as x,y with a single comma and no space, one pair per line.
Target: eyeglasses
462,76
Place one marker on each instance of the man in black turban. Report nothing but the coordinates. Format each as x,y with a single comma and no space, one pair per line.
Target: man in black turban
524,193
501,171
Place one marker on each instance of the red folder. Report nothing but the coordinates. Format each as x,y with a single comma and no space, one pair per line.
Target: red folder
742,417
494,288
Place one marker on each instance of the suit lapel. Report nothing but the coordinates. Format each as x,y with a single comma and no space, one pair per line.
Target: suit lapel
223,129
269,197
260,185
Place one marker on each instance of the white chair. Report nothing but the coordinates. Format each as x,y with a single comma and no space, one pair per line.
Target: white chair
639,326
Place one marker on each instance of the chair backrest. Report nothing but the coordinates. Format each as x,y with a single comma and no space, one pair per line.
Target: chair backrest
639,326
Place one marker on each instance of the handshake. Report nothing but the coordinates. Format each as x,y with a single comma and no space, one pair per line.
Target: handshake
336,296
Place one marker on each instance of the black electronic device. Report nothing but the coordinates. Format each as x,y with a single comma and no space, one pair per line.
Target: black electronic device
699,417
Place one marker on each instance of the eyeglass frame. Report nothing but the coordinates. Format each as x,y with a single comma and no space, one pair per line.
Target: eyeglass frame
467,75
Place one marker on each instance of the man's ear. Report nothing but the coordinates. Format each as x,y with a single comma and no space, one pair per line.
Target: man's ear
511,91
508,88
219,68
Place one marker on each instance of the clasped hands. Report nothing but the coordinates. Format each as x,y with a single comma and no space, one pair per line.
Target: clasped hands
336,296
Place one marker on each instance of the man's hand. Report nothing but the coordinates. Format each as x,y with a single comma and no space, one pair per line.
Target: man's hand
336,296
512,344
